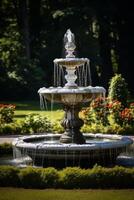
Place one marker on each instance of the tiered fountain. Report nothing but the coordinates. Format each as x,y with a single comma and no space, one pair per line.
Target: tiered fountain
72,148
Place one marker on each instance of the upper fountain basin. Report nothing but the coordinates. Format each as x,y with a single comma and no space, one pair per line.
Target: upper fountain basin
71,96
71,62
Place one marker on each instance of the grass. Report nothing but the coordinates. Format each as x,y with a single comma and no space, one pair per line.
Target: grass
23,108
30,194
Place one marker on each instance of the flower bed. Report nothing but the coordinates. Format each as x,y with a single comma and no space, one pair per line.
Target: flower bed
7,113
104,115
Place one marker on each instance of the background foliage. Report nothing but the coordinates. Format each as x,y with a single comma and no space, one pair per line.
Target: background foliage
31,35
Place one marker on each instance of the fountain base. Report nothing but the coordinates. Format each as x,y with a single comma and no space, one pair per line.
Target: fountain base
76,138
72,124
105,157
45,152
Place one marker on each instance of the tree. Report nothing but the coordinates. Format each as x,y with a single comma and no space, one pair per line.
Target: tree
22,16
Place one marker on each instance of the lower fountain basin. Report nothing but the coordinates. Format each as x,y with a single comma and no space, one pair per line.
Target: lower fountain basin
46,150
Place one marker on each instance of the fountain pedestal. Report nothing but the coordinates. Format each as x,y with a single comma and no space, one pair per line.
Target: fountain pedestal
72,124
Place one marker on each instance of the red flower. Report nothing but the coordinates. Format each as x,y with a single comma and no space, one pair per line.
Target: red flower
7,106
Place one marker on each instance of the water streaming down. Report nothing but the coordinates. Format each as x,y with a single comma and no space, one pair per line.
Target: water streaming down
82,72
59,75
72,88
84,75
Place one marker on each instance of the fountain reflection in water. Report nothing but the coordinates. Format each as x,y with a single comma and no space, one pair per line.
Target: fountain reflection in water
72,89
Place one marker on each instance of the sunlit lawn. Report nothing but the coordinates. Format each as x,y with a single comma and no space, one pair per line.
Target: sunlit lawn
23,108
52,115
51,194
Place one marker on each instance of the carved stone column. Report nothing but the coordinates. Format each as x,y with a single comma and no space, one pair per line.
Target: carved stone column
72,124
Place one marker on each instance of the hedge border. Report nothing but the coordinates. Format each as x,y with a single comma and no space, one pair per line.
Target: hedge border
68,178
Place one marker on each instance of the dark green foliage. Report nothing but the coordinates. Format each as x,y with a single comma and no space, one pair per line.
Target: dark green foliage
11,129
9,176
6,148
39,178
69,178
30,178
98,177
118,89
49,177
31,37
73,177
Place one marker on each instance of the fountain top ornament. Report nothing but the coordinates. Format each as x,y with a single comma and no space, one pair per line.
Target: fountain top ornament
75,67
70,46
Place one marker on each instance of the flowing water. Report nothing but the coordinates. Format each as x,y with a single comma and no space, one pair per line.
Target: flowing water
21,159
83,75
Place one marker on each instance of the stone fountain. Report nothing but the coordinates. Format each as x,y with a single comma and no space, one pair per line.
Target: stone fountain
72,89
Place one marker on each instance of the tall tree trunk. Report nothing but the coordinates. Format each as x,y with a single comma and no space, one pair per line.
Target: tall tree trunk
126,44
35,24
21,7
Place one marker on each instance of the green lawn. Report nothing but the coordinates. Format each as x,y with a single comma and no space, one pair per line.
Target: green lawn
50,194
23,108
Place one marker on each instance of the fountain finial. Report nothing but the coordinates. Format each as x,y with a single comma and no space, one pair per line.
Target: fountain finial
69,40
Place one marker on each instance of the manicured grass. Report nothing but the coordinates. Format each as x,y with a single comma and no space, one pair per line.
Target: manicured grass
52,115
25,107
50,194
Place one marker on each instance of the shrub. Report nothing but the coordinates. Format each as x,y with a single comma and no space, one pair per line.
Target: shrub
115,107
6,113
49,178
73,177
97,112
93,128
69,178
57,128
118,89
127,116
36,123
11,128
6,148
30,178
9,176
108,117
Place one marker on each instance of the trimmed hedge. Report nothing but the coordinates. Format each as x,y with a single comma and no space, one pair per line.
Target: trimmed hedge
9,176
68,178
6,149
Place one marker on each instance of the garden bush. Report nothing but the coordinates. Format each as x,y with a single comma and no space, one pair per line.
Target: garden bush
9,176
106,116
11,129
73,177
30,177
69,178
118,89
49,178
57,128
39,178
35,123
7,113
